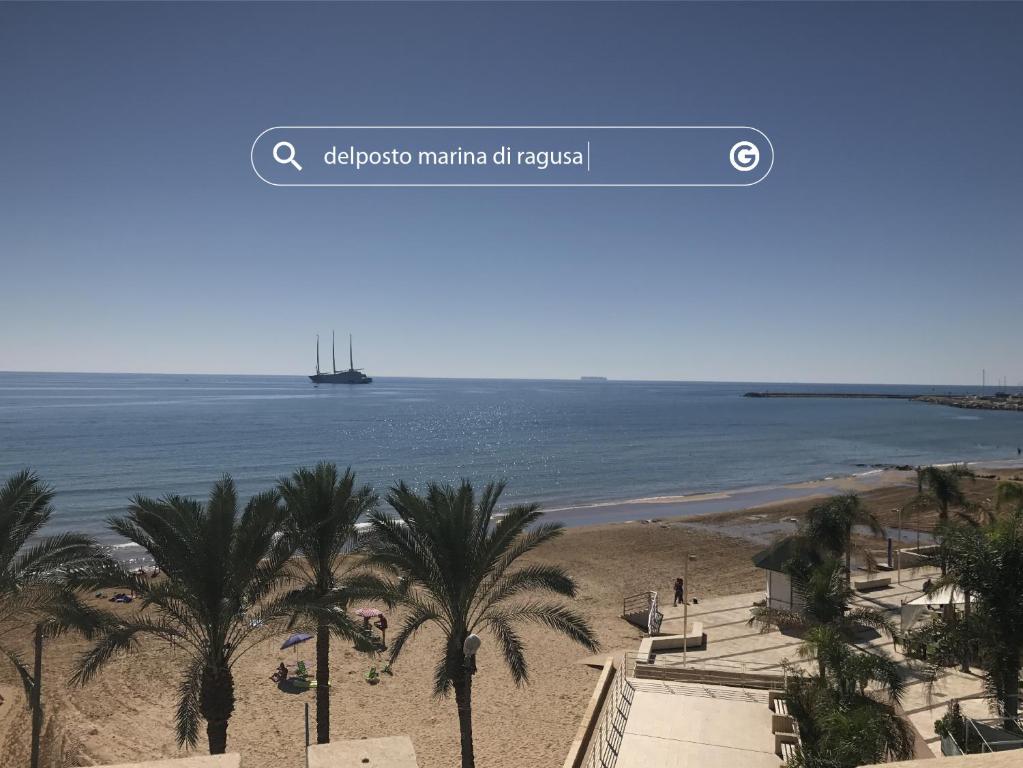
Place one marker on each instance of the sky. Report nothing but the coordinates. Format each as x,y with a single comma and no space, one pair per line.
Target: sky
885,246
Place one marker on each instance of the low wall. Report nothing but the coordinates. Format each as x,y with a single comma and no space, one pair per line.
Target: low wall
577,751
195,761
1009,759
665,672
384,752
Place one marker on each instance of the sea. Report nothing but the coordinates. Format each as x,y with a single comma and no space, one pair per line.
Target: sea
586,450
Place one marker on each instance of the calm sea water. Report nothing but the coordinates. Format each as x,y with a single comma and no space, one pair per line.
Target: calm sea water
99,438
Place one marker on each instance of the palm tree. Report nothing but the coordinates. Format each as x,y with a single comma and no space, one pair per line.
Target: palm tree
942,488
847,716
1008,496
322,509
987,564
224,574
455,566
844,711
830,525
39,581
849,671
824,599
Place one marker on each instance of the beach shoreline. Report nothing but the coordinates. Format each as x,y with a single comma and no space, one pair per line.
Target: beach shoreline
696,505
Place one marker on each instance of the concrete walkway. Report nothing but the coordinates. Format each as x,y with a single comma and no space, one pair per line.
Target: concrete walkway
734,645
675,725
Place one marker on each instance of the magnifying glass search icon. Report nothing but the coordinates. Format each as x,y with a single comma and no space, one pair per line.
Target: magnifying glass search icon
284,153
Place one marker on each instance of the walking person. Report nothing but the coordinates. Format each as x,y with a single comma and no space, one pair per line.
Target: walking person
680,591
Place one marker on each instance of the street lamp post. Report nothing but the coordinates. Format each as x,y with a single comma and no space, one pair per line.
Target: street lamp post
898,552
685,608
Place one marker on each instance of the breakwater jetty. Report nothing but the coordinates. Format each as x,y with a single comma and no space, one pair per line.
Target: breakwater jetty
1000,401
839,395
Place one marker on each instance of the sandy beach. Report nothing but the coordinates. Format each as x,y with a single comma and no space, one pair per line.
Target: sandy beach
127,712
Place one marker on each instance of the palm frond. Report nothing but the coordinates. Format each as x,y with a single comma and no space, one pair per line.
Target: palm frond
26,504
187,716
766,619
870,617
552,615
55,556
122,638
67,613
512,648
534,578
417,616
21,668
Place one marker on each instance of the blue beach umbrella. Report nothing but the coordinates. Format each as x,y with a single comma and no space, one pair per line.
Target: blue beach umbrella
295,640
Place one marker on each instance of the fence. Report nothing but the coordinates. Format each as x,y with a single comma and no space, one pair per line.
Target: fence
986,735
606,740
636,611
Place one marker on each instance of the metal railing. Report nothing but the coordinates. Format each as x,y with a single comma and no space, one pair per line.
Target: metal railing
638,603
636,611
606,740
985,735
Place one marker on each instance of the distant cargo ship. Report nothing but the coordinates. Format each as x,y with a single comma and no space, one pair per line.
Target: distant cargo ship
352,376
593,378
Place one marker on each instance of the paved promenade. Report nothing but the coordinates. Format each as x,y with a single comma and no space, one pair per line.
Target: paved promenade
682,724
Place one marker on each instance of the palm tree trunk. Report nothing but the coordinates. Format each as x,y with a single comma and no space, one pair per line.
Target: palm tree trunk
942,519
463,698
37,696
322,684
965,667
1012,694
216,705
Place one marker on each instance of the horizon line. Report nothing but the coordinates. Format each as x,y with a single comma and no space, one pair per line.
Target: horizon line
608,379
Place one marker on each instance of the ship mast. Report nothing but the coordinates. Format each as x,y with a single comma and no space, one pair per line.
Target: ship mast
333,358
317,354
351,363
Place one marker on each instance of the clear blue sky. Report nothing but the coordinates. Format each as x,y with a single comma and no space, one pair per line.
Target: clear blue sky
886,246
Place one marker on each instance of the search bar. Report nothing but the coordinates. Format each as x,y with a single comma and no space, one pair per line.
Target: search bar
512,156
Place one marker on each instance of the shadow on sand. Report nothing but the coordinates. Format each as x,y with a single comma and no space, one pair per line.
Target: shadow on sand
293,685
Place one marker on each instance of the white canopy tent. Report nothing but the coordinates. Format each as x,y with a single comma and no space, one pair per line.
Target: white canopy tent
914,609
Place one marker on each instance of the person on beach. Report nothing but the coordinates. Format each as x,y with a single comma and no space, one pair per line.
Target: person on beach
680,591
